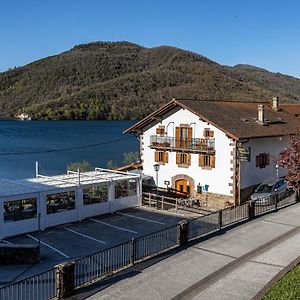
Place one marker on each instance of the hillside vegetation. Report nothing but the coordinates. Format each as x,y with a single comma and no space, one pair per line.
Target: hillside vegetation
121,80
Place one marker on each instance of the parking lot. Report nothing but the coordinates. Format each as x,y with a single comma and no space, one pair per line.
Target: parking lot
73,240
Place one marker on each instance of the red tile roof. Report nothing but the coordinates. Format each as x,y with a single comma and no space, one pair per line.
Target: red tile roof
237,119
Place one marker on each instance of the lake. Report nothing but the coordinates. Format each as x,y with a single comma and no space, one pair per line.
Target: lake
18,137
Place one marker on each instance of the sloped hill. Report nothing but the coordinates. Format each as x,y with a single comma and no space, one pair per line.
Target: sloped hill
122,80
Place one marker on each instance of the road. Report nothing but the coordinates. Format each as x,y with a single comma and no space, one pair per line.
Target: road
236,264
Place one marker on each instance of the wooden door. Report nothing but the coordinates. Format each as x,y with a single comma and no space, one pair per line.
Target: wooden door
182,185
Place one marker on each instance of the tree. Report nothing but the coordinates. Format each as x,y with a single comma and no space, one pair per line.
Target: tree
131,157
111,165
83,166
290,158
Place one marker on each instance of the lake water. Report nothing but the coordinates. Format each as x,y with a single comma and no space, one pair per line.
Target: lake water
37,136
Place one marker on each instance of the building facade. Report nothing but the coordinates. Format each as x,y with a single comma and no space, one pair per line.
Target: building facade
214,148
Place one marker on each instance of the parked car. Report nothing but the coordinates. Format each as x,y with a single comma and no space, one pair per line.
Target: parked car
267,192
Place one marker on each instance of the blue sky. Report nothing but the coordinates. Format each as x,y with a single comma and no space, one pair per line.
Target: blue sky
264,33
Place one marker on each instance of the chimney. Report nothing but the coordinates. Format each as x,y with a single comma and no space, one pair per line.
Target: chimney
275,103
261,114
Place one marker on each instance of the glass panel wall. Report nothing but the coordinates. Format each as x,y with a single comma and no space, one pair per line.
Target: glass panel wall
95,194
60,202
20,209
125,188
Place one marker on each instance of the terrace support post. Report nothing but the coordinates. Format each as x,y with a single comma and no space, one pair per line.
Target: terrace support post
183,232
65,280
220,218
251,215
149,199
162,202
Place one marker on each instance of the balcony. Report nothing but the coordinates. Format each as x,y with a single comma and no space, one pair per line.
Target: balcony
199,145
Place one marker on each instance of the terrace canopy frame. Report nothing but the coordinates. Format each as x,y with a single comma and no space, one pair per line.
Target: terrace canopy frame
38,203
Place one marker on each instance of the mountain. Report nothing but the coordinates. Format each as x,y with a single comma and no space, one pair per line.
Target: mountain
122,80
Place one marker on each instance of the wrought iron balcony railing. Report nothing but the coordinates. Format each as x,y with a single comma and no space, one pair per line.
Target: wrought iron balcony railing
171,143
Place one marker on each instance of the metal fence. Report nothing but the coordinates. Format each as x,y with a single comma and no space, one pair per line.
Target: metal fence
236,214
287,201
154,243
38,287
109,261
203,225
102,263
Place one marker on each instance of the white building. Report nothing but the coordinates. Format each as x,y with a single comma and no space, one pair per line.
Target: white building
221,147
38,203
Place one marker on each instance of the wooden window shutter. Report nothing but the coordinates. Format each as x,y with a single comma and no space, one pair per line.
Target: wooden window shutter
158,130
267,159
166,157
257,161
201,160
213,161
156,158
211,133
177,158
188,159
190,133
177,133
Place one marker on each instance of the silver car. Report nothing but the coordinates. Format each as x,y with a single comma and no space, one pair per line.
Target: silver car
267,192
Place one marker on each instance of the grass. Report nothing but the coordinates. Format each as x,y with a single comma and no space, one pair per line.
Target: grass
288,288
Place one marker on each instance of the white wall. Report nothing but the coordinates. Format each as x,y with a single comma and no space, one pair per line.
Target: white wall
217,178
250,174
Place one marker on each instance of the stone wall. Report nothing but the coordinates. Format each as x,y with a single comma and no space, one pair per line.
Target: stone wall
19,254
215,201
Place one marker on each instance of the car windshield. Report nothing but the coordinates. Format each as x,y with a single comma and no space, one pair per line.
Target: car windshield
264,188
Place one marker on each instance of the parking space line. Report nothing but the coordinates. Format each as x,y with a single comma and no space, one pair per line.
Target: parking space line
6,242
113,226
86,236
140,218
49,246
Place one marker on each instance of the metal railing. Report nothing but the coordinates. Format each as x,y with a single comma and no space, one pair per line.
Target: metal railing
154,243
38,287
203,225
193,144
102,263
235,214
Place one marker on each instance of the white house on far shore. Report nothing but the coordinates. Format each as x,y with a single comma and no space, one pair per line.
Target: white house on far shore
222,148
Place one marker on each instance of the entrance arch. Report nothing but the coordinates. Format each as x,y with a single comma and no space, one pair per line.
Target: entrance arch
183,183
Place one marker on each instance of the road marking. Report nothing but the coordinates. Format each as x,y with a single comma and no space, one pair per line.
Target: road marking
139,218
6,242
86,236
49,246
113,226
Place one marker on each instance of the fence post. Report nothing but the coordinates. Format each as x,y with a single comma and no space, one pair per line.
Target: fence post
251,210
183,232
297,196
133,250
220,218
65,280
276,203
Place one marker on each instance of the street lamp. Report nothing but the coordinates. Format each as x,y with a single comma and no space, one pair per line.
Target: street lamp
156,169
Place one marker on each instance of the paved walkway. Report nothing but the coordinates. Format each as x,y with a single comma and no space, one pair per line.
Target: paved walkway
234,265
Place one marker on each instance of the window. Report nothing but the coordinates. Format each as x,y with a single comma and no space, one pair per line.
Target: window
160,130
20,210
183,136
208,133
125,188
161,157
262,160
95,194
60,202
207,161
183,159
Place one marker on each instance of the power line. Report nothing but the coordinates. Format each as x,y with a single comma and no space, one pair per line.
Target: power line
65,149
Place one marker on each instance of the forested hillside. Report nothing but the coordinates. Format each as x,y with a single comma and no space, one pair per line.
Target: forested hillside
121,80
